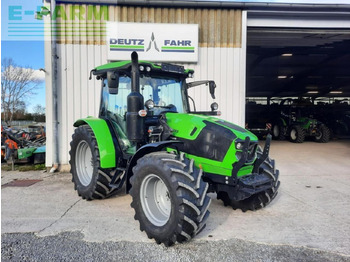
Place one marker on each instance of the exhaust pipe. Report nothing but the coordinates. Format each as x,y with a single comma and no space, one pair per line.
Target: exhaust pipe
134,122
135,74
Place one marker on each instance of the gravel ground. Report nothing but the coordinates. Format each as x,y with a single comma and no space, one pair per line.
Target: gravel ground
70,246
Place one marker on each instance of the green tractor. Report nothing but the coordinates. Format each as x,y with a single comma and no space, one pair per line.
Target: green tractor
167,156
297,127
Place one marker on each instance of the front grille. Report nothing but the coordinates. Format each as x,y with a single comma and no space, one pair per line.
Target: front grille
252,148
251,152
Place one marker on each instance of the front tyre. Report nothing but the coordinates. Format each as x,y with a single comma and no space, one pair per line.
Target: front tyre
296,134
323,134
169,197
90,180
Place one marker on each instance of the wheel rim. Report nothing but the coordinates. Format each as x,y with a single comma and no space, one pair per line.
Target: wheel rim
276,131
293,134
155,200
84,166
319,135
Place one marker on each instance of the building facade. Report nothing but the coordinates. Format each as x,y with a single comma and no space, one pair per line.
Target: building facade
79,44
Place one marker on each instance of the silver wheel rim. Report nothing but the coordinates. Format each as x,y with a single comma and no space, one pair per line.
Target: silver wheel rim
84,166
155,200
293,134
319,135
276,131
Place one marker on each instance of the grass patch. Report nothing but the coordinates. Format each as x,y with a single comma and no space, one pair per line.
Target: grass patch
31,167
40,167
6,167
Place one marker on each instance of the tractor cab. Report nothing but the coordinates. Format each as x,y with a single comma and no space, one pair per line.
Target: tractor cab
162,89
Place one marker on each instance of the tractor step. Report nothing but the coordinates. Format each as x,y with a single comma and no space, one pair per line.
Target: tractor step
118,178
255,180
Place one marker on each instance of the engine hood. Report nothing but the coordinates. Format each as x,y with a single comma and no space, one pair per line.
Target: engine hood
189,126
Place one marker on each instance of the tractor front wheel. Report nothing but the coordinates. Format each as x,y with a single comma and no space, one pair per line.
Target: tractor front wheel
169,197
90,180
323,134
296,134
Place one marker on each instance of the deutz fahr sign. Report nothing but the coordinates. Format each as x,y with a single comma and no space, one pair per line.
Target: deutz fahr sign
153,42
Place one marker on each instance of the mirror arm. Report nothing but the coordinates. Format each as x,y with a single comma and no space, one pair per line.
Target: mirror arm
93,70
194,104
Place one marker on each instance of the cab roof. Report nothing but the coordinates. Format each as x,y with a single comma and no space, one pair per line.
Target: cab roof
154,67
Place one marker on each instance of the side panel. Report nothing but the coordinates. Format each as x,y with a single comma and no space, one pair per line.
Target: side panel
104,140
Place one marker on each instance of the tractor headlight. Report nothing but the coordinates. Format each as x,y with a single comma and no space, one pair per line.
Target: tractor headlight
149,104
190,75
239,145
214,106
141,67
148,68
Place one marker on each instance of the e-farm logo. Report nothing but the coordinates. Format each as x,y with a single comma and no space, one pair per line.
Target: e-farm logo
24,21
138,44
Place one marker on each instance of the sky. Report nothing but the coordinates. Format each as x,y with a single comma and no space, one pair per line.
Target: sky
25,52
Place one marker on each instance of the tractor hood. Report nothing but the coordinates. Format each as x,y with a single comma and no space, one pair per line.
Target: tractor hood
189,126
206,136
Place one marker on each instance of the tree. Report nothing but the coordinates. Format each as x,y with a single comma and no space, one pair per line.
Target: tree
39,113
17,83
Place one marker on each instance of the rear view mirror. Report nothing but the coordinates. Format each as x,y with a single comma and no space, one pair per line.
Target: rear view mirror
113,82
212,87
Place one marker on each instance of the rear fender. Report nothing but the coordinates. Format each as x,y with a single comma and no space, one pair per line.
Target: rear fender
103,138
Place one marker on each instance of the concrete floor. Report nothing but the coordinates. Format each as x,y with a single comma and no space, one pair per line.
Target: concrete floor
311,210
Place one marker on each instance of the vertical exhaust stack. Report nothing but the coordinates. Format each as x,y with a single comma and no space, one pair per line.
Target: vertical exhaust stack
134,122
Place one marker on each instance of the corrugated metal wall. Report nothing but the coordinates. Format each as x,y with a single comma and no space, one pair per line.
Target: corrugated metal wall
81,47
85,24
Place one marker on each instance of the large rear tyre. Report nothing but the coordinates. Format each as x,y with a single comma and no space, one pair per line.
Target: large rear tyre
169,197
278,131
90,180
260,200
296,134
323,134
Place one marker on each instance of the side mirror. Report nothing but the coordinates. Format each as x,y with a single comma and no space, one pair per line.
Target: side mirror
113,82
212,87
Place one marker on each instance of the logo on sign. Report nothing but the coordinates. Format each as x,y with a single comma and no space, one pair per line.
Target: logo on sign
154,43
169,45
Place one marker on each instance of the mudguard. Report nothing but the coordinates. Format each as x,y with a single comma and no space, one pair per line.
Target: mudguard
146,149
103,138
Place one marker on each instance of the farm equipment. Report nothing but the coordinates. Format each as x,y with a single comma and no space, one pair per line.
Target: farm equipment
168,156
27,147
295,126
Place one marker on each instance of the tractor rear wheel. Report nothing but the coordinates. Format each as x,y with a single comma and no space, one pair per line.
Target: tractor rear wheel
323,134
169,197
90,180
278,131
261,199
296,134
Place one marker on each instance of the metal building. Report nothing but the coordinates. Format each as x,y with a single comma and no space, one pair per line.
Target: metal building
79,44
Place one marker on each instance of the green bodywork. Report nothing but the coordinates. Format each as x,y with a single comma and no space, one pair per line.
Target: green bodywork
104,140
306,122
29,151
26,152
183,124
126,64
